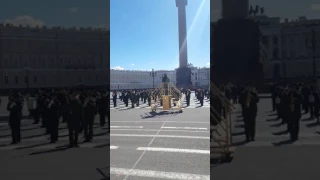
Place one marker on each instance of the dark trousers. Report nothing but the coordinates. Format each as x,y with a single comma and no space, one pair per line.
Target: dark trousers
311,107
114,103
201,102
88,127
250,126
15,131
36,116
294,128
54,129
273,104
102,118
73,134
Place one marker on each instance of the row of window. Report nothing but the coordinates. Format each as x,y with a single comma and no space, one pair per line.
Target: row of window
46,62
35,79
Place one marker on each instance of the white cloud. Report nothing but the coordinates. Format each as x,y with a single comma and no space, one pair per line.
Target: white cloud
74,9
315,7
118,68
208,64
132,64
24,21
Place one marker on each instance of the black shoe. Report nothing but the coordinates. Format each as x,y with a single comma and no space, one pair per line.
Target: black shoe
76,146
14,142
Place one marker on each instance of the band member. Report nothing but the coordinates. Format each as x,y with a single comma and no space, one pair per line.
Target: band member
114,98
53,118
90,110
75,120
188,95
15,109
250,112
294,114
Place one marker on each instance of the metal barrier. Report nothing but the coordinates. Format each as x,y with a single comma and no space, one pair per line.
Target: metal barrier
221,133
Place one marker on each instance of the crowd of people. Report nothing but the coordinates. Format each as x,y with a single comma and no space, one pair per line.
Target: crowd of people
147,95
76,108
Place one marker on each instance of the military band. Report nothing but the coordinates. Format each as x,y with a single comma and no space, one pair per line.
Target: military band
76,108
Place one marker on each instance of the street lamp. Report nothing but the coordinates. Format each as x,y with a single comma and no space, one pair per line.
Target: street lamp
313,46
153,74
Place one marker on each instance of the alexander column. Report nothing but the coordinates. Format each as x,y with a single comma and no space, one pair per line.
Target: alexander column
183,72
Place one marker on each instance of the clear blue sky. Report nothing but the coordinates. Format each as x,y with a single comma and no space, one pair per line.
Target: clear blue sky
290,9
144,34
56,12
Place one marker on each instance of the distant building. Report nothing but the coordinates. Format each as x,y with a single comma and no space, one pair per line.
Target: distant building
53,57
286,46
131,79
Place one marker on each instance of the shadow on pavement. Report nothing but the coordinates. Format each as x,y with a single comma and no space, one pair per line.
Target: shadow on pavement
50,151
311,125
239,126
272,120
238,134
276,125
280,133
32,146
162,113
102,145
240,143
281,143
307,119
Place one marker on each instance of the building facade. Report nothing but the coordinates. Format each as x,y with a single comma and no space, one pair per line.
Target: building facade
44,57
130,79
289,47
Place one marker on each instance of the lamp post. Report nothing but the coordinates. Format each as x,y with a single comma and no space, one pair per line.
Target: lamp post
153,74
313,46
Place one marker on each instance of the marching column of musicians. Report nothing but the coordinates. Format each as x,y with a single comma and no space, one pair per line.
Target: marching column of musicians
77,109
145,96
287,100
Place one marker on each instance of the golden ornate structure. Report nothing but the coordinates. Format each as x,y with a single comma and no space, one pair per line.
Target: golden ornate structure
167,94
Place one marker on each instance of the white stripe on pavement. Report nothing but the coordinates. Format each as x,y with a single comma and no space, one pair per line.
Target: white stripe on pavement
185,128
195,151
126,127
114,147
160,136
158,130
158,174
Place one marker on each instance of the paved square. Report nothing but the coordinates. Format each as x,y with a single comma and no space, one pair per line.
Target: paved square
147,146
271,156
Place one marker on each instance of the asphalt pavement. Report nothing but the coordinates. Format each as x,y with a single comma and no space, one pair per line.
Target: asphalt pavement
271,155
160,145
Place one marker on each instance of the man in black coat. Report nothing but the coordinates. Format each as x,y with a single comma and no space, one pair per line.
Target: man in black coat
90,111
188,95
250,110
75,120
53,118
15,109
